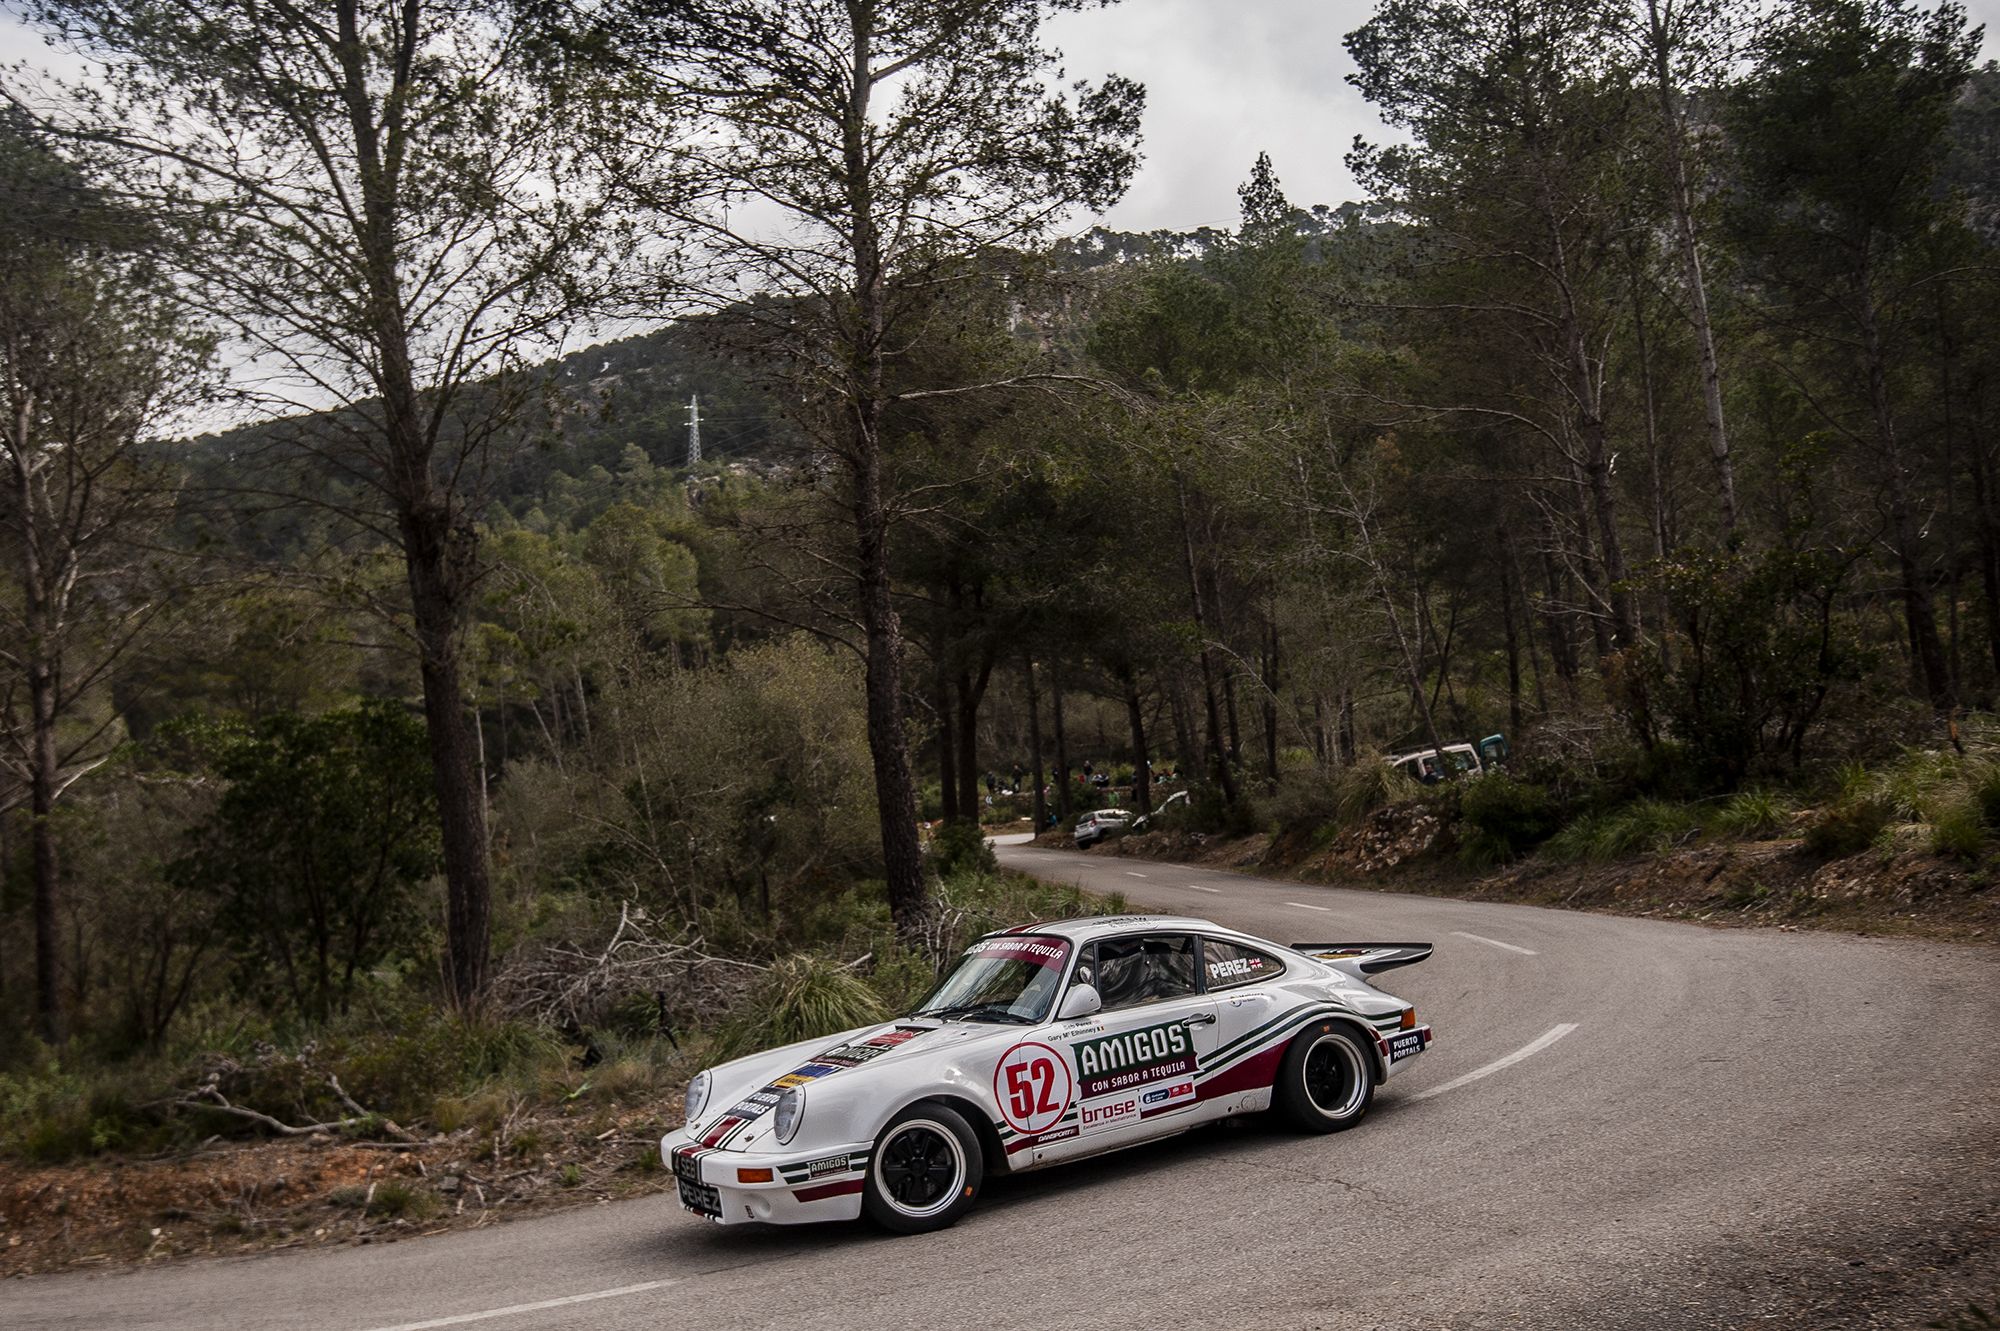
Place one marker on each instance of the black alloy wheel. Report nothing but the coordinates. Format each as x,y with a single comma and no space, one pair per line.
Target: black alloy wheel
926,1170
1328,1078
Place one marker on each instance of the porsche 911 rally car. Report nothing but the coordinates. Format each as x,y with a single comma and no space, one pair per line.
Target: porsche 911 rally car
1043,1044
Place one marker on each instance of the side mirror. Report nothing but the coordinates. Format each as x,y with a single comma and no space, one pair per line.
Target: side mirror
1080,1001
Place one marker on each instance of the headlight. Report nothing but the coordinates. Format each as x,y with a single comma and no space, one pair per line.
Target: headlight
785,1118
697,1097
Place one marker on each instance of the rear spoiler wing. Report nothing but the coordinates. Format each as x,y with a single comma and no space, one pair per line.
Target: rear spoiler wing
1360,959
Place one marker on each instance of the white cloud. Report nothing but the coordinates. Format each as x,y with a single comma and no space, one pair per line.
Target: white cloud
1225,80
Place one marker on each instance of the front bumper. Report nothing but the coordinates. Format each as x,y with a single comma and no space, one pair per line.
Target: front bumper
769,1187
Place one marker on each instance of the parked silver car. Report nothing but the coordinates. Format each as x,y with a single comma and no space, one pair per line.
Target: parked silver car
1095,826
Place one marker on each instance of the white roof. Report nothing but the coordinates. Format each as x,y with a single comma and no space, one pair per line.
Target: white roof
1089,927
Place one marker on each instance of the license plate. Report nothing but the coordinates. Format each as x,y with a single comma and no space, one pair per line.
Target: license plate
686,1167
1402,1046
701,1199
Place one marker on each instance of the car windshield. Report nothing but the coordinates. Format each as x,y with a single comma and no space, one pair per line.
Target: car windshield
1011,978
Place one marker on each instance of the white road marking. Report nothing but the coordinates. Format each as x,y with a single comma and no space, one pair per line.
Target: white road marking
462,1318
1133,873
1199,888
1494,942
1535,1046
1303,906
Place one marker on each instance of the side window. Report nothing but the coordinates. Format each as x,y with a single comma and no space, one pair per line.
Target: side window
1227,964
1086,966
1149,969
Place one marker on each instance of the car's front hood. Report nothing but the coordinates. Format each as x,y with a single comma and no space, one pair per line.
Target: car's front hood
749,1096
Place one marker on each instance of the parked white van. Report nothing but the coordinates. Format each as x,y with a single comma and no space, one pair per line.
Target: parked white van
1427,765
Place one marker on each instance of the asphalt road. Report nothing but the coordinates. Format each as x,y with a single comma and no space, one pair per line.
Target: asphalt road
1624,1123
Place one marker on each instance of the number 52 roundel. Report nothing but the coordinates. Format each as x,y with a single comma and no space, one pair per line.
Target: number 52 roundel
1033,1086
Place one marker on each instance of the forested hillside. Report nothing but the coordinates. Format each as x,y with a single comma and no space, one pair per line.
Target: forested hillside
455,730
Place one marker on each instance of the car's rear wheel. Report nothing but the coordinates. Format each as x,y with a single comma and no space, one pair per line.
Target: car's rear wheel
1327,1080
925,1172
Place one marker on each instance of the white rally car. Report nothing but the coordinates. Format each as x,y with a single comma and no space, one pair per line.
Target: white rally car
1045,1043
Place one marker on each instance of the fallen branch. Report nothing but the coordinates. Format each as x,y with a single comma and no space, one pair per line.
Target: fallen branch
216,1102
389,1125
209,1096
569,987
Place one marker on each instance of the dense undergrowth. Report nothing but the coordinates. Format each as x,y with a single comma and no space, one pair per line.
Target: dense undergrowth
1944,800
416,1067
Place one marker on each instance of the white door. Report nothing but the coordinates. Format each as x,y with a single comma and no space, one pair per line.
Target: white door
1134,1062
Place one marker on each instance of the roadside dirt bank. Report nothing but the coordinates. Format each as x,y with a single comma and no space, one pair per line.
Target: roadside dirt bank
1774,883
231,1198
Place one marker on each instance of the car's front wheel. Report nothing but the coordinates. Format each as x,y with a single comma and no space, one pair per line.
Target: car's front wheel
926,1170
1327,1080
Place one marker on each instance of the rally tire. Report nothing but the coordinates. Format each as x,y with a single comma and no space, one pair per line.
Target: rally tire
925,1171
1327,1080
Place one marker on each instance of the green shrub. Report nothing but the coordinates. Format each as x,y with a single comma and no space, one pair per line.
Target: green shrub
801,997
1642,827
957,846
1847,826
400,1070
1308,801
1918,784
50,1114
1958,830
1503,818
901,976
1986,794
1746,896
982,902
1757,658
1367,784
1751,813
395,1199
1210,813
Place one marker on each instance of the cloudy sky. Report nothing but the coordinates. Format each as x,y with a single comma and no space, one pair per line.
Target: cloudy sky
1225,80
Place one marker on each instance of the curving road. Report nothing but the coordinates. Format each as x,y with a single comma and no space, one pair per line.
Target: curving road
1624,1123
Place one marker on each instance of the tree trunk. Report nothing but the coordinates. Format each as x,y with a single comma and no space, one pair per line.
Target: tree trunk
1656,462
438,544
947,755
438,559
1562,647
6,893
1185,746
1271,704
1583,561
1217,753
1507,622
42,661
1062,740
1604,504
1919,612
1229,711
1135,714
42,778
895,794
971,692
1680,199
1987,524
1035,743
